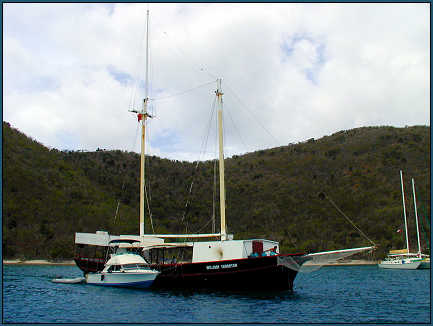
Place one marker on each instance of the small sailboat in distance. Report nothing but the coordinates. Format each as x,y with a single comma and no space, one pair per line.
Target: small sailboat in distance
425,262
403,259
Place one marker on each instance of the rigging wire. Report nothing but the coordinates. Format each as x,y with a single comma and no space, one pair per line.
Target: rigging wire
204,226
183,56
183,92
147,187
138,64
124,177
323,195
236,128
149,150
291,238
213,219
242,105
214,195
148,208
203,149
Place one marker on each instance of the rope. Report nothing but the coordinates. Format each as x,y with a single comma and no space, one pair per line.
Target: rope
122,191
138,63
323,195
291,238
237,129
202,228
203,148
148,208
422,227
251,113
214,196
117,209
182,92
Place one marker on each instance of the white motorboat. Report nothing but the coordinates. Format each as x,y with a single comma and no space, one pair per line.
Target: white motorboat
125,268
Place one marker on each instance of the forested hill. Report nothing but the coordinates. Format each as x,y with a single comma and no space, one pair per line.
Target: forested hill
283,194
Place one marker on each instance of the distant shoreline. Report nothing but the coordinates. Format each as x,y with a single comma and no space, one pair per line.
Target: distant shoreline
72,263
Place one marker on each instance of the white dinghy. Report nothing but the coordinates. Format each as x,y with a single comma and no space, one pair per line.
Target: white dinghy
69,280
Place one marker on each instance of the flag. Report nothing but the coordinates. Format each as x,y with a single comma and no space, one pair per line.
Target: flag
139,116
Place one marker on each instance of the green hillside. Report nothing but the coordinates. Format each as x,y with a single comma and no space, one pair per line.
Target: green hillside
48,195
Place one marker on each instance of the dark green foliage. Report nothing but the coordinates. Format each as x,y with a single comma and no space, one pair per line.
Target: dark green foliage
49,195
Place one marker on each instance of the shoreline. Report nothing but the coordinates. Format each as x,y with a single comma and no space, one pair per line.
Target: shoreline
38,262
72,263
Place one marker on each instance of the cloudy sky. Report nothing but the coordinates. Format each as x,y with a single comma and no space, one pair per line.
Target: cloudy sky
289,72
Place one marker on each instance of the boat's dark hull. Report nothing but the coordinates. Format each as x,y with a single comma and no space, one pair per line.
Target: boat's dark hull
90,265
248,273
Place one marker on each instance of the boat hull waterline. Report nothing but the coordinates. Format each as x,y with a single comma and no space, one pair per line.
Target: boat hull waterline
400,265
131,280
425,264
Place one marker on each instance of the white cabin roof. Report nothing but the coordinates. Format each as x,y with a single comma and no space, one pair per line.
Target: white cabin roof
123,259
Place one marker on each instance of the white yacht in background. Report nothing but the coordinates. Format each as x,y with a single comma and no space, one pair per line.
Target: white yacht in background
400,261
403,259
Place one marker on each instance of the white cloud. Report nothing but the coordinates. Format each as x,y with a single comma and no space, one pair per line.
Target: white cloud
294,71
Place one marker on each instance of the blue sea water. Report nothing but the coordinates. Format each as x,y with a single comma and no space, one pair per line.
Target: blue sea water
343,294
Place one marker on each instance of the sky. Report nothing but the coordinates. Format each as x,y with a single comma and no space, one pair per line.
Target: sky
289,71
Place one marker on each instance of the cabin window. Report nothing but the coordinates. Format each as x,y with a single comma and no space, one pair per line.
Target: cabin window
114,268
135,266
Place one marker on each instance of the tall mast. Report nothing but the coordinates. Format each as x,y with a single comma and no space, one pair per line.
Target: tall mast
147,55
142,116
219,95
404,211
416,216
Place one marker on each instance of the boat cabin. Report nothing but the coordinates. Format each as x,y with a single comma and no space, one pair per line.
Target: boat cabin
205,251
233,249
156,251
